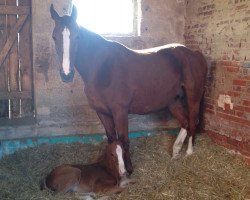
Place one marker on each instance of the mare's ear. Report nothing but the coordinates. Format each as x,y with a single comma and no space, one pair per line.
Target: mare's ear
73,15
53,13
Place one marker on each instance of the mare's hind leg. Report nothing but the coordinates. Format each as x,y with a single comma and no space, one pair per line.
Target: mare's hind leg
179,113
109,126
193,107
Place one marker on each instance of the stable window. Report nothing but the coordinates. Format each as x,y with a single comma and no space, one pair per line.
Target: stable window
109,17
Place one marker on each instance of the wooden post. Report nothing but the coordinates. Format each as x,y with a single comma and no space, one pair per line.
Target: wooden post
4,104
26,62
13,64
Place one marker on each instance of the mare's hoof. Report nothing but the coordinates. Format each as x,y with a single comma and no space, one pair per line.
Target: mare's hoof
87,196
129,170
189,152
175,157
126,182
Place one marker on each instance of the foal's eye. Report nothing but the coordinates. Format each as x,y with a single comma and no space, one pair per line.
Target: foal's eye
54,38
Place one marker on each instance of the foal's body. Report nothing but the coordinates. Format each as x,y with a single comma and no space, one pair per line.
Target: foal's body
119,81
106,175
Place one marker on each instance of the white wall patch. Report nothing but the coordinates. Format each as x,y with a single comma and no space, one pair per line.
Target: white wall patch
224,99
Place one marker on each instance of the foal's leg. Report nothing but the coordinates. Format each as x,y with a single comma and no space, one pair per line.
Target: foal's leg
121,125
178,112
109,126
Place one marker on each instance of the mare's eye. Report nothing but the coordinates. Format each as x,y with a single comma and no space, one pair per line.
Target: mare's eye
54,38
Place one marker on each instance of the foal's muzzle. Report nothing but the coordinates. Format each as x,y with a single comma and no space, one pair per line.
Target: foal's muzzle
67,78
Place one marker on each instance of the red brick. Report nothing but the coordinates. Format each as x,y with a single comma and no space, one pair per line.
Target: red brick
233,93
209,100
241,7
209,106
229,143
240,108
239,114
238,88
239,82
210,111
246,103
233,118
232,69
247,109
226,111
247,160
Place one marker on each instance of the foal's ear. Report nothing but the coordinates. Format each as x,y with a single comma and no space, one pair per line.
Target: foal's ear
53,13
73,15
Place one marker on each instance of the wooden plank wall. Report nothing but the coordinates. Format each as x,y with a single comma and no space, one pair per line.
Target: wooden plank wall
26,63
3,69
16,70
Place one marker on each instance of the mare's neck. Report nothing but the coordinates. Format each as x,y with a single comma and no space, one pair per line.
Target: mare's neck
90,53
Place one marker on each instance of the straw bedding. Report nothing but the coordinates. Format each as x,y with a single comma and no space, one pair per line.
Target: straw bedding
210,173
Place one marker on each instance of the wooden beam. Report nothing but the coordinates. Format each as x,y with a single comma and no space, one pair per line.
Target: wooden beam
16,95
12,37
14,10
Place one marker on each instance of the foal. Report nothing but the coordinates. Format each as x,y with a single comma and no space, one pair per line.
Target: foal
108,174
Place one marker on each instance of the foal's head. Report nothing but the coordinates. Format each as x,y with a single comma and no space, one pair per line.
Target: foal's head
114,159
65,36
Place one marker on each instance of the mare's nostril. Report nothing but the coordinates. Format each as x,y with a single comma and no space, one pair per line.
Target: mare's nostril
67,78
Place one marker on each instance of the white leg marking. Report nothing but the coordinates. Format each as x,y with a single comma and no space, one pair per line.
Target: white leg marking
122,170
179,142
126,182
66,45
190,147
87,196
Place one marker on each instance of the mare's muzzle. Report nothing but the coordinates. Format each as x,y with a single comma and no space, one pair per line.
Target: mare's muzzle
67,78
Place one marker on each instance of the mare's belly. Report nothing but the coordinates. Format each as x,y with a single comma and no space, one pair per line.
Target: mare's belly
154,99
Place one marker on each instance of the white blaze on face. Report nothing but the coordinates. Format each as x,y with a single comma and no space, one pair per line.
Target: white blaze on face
66,45
122,169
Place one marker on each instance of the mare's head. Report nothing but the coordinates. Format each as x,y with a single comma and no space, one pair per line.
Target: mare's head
65,35
114,159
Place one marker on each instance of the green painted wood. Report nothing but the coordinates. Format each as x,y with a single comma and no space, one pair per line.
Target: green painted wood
10,146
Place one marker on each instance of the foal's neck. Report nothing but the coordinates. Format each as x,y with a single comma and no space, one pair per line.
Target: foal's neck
103,161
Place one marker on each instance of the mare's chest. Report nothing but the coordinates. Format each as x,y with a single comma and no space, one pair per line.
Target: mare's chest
95,99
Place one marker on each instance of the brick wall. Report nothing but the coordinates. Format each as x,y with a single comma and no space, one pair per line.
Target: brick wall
221,30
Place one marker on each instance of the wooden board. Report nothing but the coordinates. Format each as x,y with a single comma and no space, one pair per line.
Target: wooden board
26,62
4,104
16,58
13,63
14,10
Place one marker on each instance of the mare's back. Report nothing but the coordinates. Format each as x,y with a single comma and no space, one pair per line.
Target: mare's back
143,65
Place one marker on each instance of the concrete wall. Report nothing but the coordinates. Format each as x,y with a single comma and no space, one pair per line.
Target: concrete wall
62,109
221,30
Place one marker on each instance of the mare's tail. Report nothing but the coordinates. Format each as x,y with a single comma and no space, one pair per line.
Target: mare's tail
200,124
204,64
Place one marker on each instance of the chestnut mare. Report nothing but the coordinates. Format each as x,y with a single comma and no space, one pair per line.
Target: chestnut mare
119,81
108,174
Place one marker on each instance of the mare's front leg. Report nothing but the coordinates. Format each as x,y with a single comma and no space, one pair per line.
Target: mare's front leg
120,116
109,126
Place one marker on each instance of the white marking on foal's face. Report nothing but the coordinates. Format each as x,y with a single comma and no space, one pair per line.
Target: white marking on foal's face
121,166
66,45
